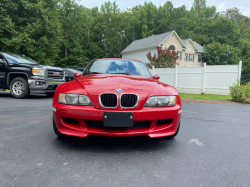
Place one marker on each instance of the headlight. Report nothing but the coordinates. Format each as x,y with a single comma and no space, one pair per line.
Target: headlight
38,71
161,101
74,99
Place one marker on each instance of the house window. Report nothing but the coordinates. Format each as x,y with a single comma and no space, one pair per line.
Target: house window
179,55
199,58
172,47
186,56
191,57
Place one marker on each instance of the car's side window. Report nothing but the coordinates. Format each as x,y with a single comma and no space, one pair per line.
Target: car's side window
2,67
1,58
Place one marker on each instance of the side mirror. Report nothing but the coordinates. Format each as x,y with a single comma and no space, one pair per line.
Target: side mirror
156,77
77,75
1,60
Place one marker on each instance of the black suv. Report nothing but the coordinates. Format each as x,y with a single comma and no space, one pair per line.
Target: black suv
22,76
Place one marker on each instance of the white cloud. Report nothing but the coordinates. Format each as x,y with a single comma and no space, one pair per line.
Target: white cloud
221,5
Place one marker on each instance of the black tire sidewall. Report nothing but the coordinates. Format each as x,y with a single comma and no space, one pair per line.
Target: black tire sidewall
60,135
175,134
26,91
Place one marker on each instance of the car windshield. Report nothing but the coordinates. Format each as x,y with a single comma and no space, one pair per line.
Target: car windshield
117,66
14,58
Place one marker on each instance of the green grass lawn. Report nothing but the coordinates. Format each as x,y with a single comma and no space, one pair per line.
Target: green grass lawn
5,91
206,96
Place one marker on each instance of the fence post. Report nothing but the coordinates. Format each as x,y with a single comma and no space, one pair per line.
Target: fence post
153,70
204,73
176,76
240,66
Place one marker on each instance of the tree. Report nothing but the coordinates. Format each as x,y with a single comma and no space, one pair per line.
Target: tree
199,6
180,22
226,31
106,32
108,7
163,19
245,53
202,25
63,33
31,27
234,13
243,22
128,23
164,58
145,18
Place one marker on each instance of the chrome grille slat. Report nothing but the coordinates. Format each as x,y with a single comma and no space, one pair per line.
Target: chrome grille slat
51,75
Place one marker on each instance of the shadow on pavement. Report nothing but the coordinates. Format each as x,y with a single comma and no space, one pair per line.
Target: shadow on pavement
109,144
32,96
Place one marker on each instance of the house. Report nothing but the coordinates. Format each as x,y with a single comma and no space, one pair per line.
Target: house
189,51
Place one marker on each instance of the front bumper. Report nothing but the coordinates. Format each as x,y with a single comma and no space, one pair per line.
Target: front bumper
43,85
80,116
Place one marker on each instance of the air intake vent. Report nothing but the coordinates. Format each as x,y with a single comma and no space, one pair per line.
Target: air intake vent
129,100
108,100
70,120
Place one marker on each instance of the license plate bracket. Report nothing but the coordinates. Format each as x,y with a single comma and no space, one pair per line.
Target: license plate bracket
118,119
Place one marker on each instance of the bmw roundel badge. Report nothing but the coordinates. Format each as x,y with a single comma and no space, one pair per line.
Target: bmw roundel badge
119,90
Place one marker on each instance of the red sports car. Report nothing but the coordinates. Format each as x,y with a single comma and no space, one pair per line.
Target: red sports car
116,97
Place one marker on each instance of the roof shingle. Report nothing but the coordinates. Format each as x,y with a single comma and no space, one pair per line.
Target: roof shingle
156,40
199,47
144,43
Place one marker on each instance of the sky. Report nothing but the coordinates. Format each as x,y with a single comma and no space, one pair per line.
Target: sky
221,5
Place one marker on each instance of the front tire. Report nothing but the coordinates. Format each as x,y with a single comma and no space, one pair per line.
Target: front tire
175,134
19,88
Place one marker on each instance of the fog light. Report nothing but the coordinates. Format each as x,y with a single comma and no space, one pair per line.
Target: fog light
38,83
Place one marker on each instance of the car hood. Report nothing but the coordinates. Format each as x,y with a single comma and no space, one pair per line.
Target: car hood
34,65
94,85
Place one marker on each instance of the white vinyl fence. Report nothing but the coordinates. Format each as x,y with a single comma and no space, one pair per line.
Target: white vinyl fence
210,79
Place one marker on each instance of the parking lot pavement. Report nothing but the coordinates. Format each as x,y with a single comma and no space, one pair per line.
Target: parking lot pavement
211,149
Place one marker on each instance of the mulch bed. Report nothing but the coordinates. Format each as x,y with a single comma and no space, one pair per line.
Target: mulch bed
189,100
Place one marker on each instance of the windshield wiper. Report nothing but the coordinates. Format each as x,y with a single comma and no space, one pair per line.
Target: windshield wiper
25,63
122,73
93,73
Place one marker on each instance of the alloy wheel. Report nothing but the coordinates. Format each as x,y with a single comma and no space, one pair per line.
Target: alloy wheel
18,87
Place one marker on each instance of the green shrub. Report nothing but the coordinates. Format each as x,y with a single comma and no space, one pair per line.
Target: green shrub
220,54
240,93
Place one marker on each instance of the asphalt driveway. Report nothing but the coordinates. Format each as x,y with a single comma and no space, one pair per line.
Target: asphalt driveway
211,149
